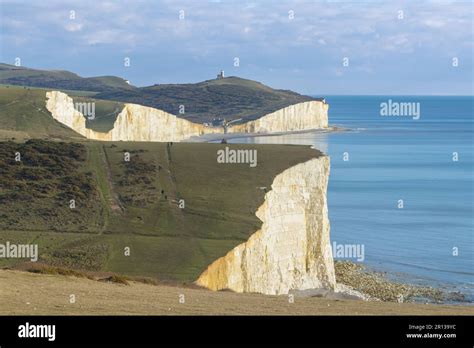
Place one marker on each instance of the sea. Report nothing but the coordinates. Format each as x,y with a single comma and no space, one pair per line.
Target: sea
401,186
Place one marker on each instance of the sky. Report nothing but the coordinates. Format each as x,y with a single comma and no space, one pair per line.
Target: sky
312,47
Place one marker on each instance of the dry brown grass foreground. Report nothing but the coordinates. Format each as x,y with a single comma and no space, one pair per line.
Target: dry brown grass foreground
23,293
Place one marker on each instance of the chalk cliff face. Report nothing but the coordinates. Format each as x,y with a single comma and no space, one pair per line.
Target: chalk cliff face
134,123
292,249
297,117
62,109
141,123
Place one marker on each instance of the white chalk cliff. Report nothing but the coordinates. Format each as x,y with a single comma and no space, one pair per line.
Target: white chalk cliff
134,123
296,117
292,249
142,123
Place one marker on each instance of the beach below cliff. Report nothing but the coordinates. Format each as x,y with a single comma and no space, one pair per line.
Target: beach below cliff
41,294
218,137
378,286
381,162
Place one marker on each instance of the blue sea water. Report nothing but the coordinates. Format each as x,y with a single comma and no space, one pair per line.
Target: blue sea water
430,240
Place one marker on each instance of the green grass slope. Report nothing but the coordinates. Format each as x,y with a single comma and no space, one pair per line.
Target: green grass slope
58,79
124,205
229,98
38,180
134,205
23,114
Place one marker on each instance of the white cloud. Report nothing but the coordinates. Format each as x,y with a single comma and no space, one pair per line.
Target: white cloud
434,23
257,31
111,36
396,42
73,26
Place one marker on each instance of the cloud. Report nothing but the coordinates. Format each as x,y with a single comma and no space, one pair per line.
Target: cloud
261,33
434,23
333,23
398,43
73,27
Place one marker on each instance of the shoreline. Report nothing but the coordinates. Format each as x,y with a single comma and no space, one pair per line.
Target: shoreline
377,286
385,285
215,137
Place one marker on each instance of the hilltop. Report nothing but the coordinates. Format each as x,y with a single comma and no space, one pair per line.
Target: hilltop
230,97
59,79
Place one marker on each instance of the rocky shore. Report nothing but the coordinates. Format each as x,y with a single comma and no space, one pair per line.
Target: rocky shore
377,287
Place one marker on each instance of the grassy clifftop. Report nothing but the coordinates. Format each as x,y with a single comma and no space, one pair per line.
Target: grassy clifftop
134,204
126,205
58,79
23,114
230,98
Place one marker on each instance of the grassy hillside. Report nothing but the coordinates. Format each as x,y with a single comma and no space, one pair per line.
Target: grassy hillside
58,79
23,114
134,204
38,180
22,109
229,98
123,204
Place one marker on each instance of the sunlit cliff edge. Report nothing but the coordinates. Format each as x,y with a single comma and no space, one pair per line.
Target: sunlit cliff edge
134,123
142,123
302,116
292,249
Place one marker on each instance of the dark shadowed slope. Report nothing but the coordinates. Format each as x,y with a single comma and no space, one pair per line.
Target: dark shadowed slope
59,79
230,98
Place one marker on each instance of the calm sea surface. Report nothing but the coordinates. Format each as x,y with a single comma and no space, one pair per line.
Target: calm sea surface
430,240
